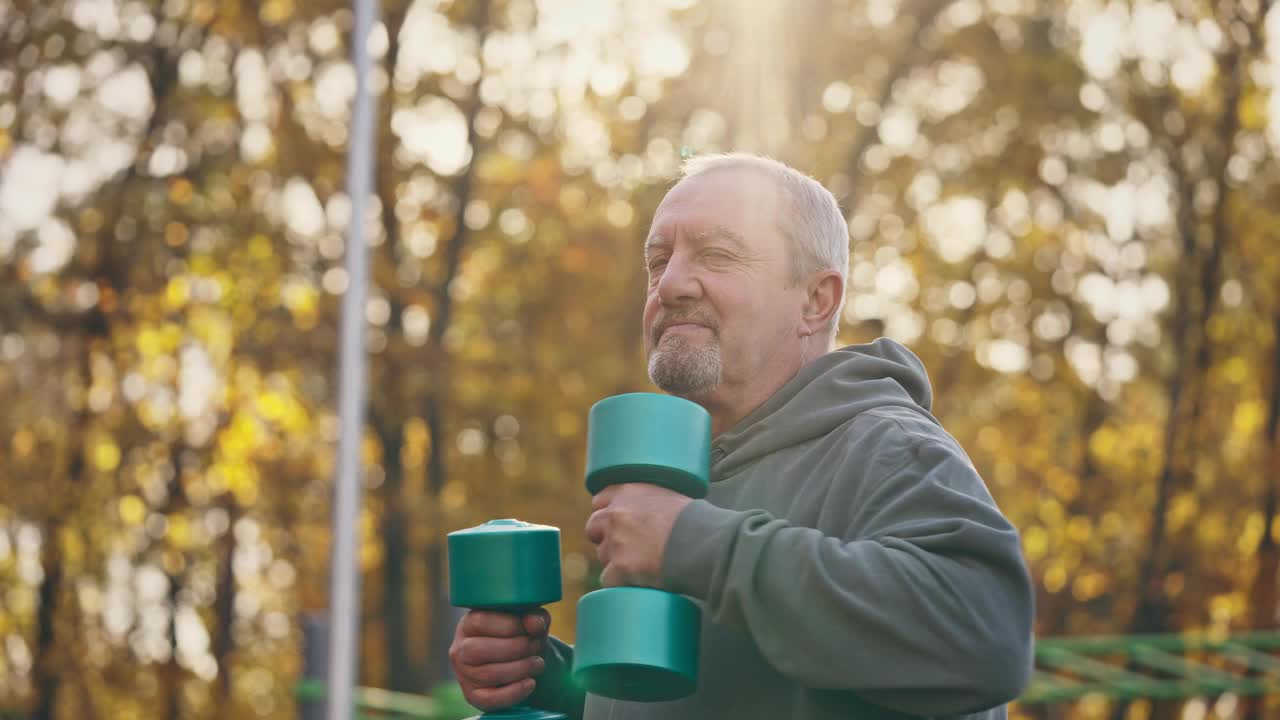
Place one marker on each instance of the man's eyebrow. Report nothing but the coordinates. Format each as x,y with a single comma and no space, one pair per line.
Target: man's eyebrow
722,233
718,232
654,241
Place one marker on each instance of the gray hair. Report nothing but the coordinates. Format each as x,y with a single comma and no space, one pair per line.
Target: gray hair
815,226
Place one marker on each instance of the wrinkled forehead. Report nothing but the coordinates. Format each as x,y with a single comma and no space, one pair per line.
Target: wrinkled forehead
736,206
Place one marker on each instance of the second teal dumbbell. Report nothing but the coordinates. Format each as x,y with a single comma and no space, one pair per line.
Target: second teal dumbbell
639,643
508,566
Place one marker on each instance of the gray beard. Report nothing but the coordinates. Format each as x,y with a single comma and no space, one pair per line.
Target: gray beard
685,371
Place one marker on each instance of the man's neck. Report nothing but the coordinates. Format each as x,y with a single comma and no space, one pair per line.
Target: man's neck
732,401
724,415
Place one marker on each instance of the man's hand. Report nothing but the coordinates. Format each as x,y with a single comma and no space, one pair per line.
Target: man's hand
496,656
629,526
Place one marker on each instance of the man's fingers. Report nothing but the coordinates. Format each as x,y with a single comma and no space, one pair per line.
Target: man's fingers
536,623
475,651
486,623
609,577
500,697
496,654
595,527
505,673
604,497
604,551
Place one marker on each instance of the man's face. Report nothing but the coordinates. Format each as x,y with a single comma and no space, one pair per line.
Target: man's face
720,311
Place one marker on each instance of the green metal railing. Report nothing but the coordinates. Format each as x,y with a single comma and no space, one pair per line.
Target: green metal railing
447,704
1067,668
1154,666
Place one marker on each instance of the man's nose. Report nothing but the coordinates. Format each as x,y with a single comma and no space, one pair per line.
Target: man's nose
680,281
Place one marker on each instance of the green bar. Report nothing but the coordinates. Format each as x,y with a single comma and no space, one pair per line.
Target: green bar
1189,669
309,689
1046,695
1158,652
1040,678
1070,654
1096,669
1251,658
1047,687
1172,642
419,707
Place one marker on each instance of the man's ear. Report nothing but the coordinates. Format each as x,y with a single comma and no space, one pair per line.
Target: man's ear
823,293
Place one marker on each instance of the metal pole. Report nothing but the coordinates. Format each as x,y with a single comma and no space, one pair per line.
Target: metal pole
344,576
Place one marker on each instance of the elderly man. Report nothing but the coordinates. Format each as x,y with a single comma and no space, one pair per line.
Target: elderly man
849,558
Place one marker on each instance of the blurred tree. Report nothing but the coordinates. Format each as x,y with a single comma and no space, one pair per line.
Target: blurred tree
1064,208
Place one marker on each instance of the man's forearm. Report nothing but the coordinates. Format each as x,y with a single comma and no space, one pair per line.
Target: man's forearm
924,607
890,621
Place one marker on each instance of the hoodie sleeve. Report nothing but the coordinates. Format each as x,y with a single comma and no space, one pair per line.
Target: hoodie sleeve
924,606
554,689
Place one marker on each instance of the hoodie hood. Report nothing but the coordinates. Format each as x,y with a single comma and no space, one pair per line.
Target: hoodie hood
824,395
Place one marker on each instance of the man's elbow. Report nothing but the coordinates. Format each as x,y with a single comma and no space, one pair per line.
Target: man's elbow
1006,653
987,675
1011,673
1003,670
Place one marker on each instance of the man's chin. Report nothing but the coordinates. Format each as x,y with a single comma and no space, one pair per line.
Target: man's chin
683,377
684,390
698,395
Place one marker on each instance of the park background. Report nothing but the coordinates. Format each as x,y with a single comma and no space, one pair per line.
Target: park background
1068,210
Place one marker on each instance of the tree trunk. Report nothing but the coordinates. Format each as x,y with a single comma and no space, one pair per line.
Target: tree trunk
46,663
914,51
387,424
173,674
1152,613
1262,594
105,266
440,622
395,541
224,607
1149,610
442,615
46,659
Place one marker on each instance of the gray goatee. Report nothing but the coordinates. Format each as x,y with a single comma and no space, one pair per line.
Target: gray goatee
682,369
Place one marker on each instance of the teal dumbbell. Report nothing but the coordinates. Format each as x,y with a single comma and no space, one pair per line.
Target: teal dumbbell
508,566
639,643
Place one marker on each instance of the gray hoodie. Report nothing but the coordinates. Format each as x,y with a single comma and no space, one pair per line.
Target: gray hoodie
849,561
